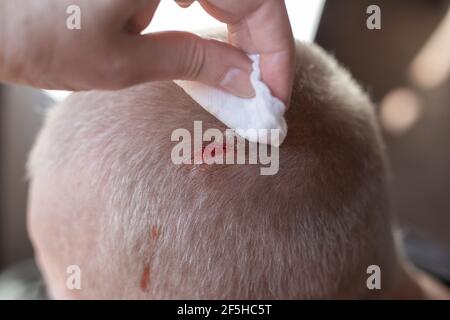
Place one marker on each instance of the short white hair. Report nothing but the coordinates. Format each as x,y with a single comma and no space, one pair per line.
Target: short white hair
142,227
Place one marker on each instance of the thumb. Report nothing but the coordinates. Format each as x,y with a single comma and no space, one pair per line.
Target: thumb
185,56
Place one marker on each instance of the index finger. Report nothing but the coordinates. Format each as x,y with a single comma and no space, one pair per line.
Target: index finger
263,28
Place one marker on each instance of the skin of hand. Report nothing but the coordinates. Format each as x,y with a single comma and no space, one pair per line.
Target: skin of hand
108,52
259,26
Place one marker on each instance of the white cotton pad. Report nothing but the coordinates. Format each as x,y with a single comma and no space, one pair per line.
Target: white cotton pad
251,118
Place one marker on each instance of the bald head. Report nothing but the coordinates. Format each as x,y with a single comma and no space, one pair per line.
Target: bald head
106,196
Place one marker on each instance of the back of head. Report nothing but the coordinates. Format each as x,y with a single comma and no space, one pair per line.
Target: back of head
106,196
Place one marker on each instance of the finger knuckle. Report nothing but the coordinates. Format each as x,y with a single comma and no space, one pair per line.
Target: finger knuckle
195,58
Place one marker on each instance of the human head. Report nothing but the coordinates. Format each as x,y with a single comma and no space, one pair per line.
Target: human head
106,196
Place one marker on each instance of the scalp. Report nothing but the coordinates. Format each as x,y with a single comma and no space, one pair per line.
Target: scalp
219,231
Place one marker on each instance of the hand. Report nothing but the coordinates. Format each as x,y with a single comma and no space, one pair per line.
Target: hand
259,26
109,52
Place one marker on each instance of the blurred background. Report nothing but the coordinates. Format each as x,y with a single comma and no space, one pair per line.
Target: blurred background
405,67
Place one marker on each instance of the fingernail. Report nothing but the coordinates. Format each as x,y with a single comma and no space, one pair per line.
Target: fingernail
237,82
184,3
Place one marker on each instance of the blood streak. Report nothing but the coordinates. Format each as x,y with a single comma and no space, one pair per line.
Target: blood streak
154,234
145,278
209,151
